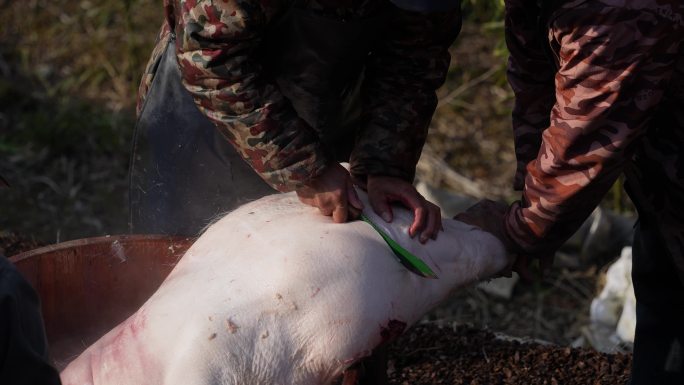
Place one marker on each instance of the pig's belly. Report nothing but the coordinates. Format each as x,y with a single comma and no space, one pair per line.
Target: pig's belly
274,296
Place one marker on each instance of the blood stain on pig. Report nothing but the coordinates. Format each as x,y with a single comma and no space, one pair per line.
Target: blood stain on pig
264,335
138,324
231,327
315,291
212,336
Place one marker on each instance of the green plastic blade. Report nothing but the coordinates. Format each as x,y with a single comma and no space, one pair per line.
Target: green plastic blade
410,261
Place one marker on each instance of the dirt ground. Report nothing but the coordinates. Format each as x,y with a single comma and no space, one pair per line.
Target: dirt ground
460,355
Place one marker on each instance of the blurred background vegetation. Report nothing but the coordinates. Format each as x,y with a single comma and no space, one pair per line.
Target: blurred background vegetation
68,76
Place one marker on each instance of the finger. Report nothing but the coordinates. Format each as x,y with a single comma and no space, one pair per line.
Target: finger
353,197
340,214
434,221
415,201
410,198
380,205
419,218
353,212
325,205
341,208
437,220
327,211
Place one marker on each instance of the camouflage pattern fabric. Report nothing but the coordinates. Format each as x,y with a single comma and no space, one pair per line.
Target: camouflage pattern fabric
601,94
217,44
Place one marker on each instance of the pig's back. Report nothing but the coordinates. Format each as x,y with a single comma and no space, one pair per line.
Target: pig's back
273,282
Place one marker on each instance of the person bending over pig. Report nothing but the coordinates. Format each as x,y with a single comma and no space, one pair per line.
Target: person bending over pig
241,98
599,91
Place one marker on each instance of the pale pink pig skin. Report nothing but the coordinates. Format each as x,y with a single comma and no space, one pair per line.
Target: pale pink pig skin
275,293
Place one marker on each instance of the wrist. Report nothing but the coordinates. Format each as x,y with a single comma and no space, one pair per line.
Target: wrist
318,173
514,233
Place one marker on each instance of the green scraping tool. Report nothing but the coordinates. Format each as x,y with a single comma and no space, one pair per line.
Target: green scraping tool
413,263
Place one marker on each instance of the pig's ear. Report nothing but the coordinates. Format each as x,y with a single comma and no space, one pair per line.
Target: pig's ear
3,182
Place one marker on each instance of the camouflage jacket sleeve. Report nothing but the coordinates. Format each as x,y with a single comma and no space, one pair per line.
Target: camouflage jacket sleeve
614,65
216,45
531,78
402,76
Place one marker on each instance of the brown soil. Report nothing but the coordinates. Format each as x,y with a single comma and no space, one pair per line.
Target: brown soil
460,355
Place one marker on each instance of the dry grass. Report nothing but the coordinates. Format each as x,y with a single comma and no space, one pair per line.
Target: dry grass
471,128
92,50
69,74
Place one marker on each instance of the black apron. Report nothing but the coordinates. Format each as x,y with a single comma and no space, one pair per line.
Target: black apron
184,173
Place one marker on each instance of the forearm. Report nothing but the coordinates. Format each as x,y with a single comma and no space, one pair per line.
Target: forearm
401,78
530,74
216,48
608,85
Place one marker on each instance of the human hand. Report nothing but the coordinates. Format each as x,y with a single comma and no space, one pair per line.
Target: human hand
332,192
383,190
490,216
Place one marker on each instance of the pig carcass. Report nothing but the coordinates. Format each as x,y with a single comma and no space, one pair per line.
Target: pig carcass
275,293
